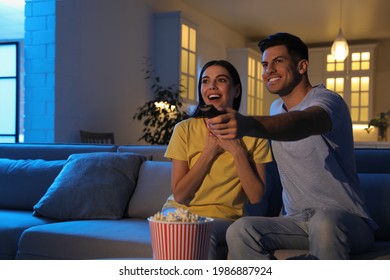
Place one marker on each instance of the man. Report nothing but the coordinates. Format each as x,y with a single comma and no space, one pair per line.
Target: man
311,132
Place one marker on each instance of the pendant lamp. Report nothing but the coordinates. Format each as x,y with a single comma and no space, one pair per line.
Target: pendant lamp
340,47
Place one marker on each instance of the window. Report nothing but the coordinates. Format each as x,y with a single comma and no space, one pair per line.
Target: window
248,64
175,53
360,99
188,62
352,79
255,87
9,99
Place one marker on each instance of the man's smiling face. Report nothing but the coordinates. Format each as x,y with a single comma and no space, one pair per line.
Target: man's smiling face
280,71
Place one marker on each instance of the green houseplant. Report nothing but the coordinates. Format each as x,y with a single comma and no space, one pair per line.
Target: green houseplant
382,122
160,115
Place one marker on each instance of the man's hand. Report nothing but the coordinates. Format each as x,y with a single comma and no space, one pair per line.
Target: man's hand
226,126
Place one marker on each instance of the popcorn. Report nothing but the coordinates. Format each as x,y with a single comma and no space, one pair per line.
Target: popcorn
179,215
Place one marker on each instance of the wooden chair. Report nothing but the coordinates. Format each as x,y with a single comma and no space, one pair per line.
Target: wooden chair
97,137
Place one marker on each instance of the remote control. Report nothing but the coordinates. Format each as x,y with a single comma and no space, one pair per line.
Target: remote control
209,111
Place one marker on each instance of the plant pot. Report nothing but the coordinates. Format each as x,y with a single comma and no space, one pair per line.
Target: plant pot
382,134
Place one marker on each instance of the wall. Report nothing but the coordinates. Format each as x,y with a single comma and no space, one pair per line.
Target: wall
39,53
381,96
213,38
100,53
382,77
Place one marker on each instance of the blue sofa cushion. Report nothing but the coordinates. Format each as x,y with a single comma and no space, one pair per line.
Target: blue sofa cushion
91,186
93,239
12,224
152,190
24,182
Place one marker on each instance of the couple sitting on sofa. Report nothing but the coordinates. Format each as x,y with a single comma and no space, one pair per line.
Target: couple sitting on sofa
312,142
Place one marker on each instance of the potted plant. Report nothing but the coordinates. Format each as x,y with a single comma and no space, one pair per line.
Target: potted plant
382,122
161,114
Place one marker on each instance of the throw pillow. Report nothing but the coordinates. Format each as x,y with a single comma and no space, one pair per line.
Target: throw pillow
152,190
91,186
24,181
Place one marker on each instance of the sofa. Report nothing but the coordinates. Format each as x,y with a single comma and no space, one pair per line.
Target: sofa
92,201
28,170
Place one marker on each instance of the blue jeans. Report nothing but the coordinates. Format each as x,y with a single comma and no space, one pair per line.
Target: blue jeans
327,233
218,237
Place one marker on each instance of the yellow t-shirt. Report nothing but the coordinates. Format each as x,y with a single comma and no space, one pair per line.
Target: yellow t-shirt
220,194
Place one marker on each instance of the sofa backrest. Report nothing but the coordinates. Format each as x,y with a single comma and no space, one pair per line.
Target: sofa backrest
373,167
152,152
50,151
27,170
55,151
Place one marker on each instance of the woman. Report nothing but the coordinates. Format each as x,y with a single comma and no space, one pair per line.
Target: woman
212,177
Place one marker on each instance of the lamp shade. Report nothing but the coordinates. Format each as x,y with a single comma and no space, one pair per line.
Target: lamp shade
340,47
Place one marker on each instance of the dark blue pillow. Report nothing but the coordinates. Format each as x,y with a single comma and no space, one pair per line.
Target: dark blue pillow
91,186
23,182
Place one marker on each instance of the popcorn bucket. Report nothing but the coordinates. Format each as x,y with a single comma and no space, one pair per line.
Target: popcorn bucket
181,240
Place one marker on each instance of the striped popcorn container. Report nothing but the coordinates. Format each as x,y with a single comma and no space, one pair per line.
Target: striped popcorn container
181,240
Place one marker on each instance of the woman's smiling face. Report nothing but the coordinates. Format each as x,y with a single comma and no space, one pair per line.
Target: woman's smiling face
217,87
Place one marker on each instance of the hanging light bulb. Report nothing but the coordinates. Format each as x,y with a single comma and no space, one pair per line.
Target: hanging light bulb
340,47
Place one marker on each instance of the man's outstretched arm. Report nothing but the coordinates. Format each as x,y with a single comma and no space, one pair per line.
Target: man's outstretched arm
290,126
